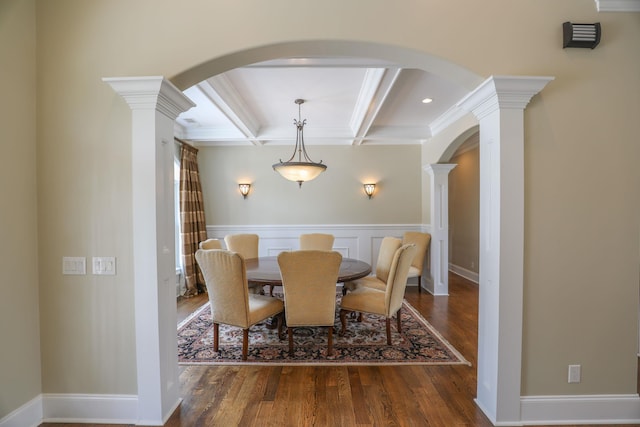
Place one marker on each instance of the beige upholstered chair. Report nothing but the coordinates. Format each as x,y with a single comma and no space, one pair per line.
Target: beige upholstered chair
382,302
388,248
211,244
231,303
309,283
247,246
421,240
244,244
316,241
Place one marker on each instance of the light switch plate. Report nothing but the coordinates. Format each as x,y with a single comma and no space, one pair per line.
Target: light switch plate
74,265
105,265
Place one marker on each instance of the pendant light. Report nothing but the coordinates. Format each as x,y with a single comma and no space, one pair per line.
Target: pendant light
303,168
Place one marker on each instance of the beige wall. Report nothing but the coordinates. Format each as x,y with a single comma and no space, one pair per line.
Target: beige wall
19,320
581,190
336,197
464,209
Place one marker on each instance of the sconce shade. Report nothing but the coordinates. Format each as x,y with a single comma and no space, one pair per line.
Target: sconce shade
369,189
244,189
580,35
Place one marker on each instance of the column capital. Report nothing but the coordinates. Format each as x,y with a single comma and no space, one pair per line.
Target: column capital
435,169
502,92
149,93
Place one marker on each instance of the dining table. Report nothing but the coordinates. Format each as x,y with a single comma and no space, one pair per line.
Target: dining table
265,270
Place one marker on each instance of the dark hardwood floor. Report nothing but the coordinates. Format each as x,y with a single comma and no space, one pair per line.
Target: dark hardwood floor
343,395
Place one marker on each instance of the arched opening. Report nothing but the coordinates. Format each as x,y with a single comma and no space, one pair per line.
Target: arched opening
502,139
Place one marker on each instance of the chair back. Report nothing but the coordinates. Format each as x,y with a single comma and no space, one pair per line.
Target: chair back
421,240
244,244
397,283
316,241
388,248
211,244
309,284
226,280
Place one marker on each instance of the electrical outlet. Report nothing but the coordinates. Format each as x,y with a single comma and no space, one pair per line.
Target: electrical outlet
574,373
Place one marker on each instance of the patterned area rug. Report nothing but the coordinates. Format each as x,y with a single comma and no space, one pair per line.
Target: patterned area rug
363,343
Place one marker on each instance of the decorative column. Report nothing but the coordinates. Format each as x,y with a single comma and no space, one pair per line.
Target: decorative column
438,282
499,103
155,103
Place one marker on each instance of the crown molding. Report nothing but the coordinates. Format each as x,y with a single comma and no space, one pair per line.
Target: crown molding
153,92
618,5
502,92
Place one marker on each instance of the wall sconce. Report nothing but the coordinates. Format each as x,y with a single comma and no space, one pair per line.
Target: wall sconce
580,35
369,189
244,189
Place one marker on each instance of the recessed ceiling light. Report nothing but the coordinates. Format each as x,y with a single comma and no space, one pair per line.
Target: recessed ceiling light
427,100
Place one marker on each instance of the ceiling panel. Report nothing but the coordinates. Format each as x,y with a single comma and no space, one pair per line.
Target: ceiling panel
346,102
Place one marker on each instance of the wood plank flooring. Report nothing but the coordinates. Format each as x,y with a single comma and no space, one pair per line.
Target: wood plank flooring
343,395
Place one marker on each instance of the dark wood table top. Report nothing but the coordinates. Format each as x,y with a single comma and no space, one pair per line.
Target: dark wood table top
265,270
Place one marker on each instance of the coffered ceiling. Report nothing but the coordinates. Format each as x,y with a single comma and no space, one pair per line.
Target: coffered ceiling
347,102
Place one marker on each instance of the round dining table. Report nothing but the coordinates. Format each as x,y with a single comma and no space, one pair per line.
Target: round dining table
265,270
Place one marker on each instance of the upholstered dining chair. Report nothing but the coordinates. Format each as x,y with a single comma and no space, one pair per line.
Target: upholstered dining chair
421,240
244,244
316,241
231,303
211,244
247,246
309,284
386,302
388,248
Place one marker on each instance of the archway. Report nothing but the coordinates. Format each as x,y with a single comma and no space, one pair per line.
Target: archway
498,104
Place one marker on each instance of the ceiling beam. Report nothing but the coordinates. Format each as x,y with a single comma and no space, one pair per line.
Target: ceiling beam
226,98
376,86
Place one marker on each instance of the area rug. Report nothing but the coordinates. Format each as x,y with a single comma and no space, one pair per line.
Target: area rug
364,343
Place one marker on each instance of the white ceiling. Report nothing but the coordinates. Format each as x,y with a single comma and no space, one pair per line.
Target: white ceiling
347,102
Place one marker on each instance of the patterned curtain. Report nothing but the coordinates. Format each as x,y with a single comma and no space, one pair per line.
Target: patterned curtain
192,221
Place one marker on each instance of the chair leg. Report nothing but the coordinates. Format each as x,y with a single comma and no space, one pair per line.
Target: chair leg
245,343
398,318
330,342
388,321
216,336
290,332
271,290
279,319
343,320
419,284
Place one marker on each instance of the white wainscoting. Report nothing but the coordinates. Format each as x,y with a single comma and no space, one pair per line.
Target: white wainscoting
359,241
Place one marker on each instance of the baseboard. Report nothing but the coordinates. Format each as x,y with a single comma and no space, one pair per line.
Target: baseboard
28,415
463,272
75,408
90,408
588,409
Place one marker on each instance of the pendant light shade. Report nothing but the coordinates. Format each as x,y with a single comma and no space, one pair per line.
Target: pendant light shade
302,168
